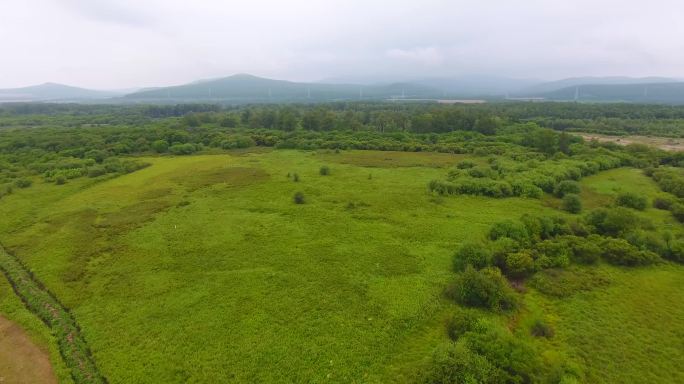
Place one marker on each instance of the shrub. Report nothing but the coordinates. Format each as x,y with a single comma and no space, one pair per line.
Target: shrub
96,171
621,252
460,323
552,254
676,250
511,229
23,183
160,146
454,363
647,241
473,254
541,329
465,164
631,200
516,358
663,202
324,171
678,212
519,264
183,149
565,187
60,180
572,203
295,177
587,251
612,222
500,248
484,288
298,198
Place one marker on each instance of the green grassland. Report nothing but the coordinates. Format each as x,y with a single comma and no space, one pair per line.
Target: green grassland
202,269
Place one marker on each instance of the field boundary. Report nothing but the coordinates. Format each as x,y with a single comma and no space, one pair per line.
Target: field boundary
42,303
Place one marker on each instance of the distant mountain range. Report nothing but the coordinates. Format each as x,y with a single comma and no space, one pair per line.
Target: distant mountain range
660,93
243,88
248,88
541,88
53,92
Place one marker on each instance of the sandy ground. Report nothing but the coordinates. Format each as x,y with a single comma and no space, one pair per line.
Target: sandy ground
665,143
21,361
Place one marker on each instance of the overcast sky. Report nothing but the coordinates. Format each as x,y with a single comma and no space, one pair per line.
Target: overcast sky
140,43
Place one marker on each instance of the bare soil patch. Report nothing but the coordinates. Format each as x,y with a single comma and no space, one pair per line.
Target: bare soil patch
664,143
21,361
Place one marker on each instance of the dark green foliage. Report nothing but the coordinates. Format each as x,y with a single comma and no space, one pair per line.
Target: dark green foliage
60,180
612,222
183,149
621,252
454,363
465,164
459,323
541,329
324,170
485,288
555,253
670,180
23,183
663,202
160,146
677,210
648,241
586,250
474,254
565,187
295,177
298,198
519,264
631,200
510,229
572,203
517,360
675,250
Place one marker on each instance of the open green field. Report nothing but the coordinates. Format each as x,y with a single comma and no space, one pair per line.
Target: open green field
202,269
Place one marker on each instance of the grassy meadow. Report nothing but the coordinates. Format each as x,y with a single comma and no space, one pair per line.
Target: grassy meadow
203,269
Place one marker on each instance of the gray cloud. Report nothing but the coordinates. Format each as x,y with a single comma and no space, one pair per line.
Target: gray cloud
126,43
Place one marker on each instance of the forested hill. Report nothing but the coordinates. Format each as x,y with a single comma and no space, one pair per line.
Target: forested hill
248,88
662,93
52,92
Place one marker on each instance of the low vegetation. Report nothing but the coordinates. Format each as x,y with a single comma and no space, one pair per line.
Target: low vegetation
213,231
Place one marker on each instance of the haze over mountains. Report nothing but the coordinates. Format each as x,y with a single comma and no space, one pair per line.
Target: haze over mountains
244,88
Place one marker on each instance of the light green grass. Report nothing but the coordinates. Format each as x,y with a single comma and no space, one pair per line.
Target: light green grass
202,269
630,331
242,284
601,189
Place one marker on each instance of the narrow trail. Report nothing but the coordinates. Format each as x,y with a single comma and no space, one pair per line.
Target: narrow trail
42,303
21,361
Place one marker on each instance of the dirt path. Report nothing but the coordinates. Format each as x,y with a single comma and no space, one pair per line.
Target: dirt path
21,361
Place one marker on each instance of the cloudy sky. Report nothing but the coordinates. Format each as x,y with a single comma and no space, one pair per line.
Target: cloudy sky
139,43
